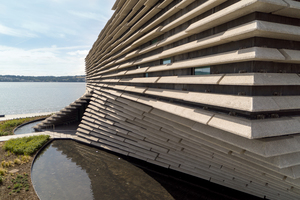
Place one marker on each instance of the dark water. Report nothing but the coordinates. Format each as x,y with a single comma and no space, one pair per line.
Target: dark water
69,170
28,128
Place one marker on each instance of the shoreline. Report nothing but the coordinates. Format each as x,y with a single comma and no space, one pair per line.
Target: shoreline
16,116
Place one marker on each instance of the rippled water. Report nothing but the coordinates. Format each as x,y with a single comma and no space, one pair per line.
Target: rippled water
37,97
70,170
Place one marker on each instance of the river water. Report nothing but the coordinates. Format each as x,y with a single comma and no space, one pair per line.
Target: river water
37,97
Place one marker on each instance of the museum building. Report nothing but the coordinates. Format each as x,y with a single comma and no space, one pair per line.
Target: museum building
210,88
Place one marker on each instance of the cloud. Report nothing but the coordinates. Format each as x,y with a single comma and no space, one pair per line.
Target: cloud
56,29
35,27
49,37
78,52
89,15
15,32
54,61
54,48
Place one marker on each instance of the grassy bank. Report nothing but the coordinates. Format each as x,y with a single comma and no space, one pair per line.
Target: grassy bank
16,157
7,127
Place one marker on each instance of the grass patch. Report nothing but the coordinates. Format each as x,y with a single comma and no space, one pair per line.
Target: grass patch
17,161
25,159
4,164
7,164
7,127
20,182
22,163
26,145
2,171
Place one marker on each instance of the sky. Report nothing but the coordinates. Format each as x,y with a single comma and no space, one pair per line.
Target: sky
49,37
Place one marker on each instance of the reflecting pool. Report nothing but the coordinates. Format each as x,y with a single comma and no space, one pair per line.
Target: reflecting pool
66,169
28,128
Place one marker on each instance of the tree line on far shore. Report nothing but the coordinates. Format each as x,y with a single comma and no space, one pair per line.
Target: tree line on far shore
13,78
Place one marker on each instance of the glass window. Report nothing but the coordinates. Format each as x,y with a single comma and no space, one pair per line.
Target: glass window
166,61
146,75
202,70
154,41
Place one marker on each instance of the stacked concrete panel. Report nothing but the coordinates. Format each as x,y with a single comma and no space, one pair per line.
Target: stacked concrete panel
70,114
236,124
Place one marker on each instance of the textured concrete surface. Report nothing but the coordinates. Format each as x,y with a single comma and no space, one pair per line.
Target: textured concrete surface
237,127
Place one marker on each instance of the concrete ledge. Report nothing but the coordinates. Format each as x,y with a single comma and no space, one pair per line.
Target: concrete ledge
251,128
192,14
234,11
237,102
250,79
262,79
292,10
151,35
164,4
250,54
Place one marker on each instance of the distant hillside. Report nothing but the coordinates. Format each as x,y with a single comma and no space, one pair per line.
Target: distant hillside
13,78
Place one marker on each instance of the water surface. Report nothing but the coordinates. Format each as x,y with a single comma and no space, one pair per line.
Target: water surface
70,170
37,97
28,128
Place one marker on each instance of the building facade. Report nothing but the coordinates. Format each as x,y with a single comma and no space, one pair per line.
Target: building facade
210,88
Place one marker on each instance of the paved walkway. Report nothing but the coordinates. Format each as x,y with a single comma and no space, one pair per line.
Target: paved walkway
62,131
8,117
52,135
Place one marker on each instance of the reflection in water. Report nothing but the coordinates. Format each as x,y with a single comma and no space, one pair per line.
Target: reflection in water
69,170
28,128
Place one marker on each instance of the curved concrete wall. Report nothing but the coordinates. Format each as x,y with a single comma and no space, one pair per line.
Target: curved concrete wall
237,126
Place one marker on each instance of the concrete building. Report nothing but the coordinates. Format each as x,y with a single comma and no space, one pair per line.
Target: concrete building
210,88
